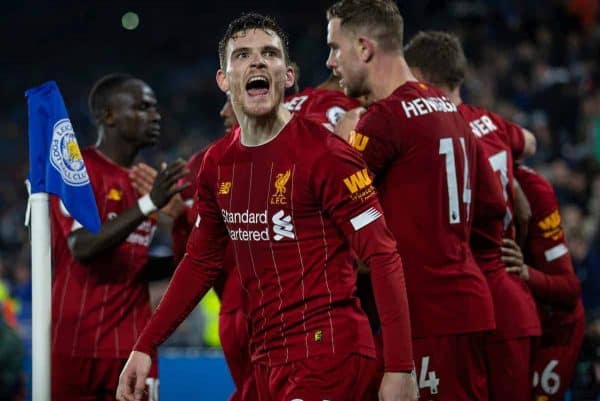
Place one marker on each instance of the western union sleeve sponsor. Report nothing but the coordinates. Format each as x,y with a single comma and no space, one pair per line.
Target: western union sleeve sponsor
358,181
550,226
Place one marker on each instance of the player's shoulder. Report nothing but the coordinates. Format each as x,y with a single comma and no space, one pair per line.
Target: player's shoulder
315,137
222,146
470,111
97,164
328,98
196,159
297,101
90,155
530,177
308,91
309,129
537,189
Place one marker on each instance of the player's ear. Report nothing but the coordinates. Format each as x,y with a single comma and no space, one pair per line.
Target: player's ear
107,117
222,80
290,77
365,48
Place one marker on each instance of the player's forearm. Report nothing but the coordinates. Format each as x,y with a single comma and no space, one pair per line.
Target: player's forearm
375,245
530,144
191,281
561,290
85,245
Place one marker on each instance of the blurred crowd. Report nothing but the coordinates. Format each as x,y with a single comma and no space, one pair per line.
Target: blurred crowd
535,62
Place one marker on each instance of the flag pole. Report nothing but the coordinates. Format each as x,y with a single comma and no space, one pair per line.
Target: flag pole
41,276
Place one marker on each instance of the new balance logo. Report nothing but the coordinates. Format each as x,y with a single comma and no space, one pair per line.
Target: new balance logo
282,226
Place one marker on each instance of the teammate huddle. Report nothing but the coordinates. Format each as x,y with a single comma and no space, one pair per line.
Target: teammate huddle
418,189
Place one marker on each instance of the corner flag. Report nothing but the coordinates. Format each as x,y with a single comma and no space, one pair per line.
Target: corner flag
55,162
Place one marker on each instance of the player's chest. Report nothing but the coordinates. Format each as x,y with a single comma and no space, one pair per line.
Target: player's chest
263,184
264,193
115,194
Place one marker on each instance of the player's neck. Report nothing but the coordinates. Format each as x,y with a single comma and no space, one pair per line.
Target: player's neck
454,96
115,149
258,131
389,72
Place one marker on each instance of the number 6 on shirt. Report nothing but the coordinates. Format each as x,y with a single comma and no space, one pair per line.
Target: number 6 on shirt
447,149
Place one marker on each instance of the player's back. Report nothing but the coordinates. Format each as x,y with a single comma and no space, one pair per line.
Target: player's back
516,315
324,106
424,159
494,219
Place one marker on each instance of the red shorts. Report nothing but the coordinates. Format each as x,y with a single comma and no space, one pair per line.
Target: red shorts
92,379
451,368
319,378
555,360
234,332
510,368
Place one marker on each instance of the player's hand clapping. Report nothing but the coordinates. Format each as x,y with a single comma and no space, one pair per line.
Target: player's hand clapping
144,177
132,381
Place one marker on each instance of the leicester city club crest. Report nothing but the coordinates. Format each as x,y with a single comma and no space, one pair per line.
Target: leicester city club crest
65,155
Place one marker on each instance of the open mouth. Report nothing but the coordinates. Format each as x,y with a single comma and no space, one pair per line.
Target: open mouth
257,86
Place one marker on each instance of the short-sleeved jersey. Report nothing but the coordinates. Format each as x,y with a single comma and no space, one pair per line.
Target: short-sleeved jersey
515,308
230,291
424,160
552,279
321,105
99,308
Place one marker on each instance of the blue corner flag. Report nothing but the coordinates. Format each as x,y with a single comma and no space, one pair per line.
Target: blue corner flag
55,162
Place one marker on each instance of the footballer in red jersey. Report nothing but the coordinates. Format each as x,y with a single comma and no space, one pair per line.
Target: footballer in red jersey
424,159
100,300
325,104
281,188
548,271
437,57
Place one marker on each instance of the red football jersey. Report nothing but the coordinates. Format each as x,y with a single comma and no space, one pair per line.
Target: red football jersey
516,314
99,308
424,160
554,284
324,106
293,209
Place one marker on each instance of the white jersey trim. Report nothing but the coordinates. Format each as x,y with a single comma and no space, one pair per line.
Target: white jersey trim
365,218
555,252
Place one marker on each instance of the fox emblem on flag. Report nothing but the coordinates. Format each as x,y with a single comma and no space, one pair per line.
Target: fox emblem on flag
55,162
65,155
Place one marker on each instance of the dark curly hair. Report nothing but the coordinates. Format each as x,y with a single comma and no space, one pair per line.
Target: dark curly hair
248,21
